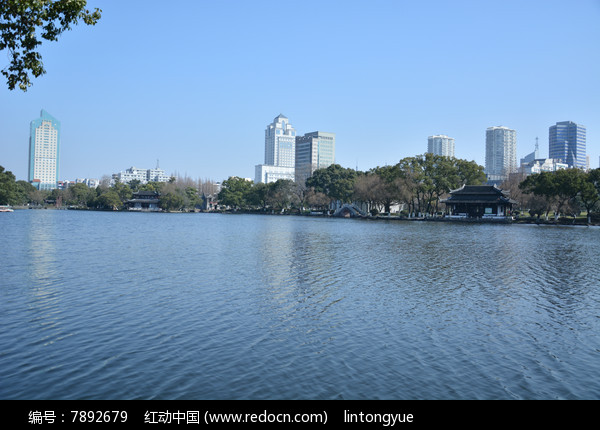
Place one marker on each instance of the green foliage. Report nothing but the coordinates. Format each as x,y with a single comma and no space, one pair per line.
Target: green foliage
258,195
9,193
171,201
24,191
235,192
151,186
123,191
191,197
80,195
135,185
335,181
14,192
282,194
428,177
24,22
564,191
109,200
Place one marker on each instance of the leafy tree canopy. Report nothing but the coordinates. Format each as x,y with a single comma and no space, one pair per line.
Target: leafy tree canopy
8,187
235,191
335,181
23,23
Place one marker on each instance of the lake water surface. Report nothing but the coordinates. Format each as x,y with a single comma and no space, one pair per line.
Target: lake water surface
100,305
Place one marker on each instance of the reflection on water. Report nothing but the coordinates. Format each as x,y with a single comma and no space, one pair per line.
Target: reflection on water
43,273
118,305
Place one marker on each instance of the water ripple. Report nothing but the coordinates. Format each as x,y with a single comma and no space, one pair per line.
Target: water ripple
252,307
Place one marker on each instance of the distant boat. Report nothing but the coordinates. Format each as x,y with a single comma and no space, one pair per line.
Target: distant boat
4,208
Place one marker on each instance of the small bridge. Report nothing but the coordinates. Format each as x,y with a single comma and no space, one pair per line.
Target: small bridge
349,211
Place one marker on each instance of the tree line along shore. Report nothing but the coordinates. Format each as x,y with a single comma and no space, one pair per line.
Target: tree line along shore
414,187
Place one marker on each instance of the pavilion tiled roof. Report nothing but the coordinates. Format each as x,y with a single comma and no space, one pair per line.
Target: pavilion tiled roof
478,194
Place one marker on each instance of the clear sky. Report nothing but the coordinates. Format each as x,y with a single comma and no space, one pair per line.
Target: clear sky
194,83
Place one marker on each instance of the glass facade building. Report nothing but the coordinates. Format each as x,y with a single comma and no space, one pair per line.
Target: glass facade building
44,145
566,143
314,151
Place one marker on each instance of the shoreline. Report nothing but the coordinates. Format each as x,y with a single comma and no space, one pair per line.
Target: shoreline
562,221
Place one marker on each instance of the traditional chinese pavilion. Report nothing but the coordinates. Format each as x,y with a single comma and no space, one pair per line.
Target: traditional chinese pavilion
144,201
479,201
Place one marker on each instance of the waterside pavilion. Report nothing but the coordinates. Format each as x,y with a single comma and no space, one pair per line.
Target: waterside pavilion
145,201
479,201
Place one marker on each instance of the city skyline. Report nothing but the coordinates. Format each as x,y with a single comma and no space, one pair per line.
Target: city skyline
199,106
501,158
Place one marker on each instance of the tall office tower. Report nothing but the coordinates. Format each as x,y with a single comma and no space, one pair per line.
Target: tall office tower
441,145
314,151
280,152
44,143
567,143
500,153
280,141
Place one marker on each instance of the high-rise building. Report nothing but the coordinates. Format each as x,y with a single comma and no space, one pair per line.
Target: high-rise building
280,152
441,145
500,153
44,145
280,143
567,143
314,151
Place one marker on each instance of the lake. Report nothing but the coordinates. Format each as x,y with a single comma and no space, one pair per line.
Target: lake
115,305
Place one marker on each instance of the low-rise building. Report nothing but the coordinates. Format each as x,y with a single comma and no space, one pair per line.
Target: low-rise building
142,175
144,201
266,173
92,183
479,201
542,165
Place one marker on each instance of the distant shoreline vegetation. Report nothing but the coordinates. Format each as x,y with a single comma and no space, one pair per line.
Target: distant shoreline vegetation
551,220
412,188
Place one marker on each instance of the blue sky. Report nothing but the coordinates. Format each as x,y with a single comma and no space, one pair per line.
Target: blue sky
194,83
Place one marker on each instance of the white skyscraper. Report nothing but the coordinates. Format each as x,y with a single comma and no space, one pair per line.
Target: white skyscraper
441,145
44,143
500,153
280,152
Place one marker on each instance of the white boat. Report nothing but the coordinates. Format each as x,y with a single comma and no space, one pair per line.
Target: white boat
4,208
